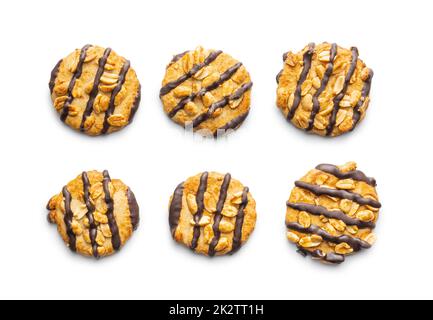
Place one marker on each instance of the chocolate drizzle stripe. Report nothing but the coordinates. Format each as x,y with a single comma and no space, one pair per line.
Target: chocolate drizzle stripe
133,209
318,254
281,72
308,55
218,216
54,74
355,175
94,92
237,235
48,207
279,75
364,94
182,103
221,104
178,56
337,214
356,243
68,218
337,99
232,124
90,211
197,67
226,75
120,82
135,105
114,229
223,78
324,83
333,258
343,194
75,76
175,208
200,208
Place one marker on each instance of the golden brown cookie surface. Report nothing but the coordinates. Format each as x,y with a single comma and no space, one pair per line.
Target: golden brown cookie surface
94,215
95,91
206,90
212,214
332,212
324,89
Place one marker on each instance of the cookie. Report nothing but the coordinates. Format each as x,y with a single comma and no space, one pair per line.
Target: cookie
212,214
207,91
324,89
332,212
95,91
95,215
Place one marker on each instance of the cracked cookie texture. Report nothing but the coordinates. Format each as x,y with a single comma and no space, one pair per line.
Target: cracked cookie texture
94,214
94,90
332,211
212,214
207,91
324,89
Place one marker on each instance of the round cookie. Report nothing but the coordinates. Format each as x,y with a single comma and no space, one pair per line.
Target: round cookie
324,89
95,215
206,90
332,212
212,214
95,90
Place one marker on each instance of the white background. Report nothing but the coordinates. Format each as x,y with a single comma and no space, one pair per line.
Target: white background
39,154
